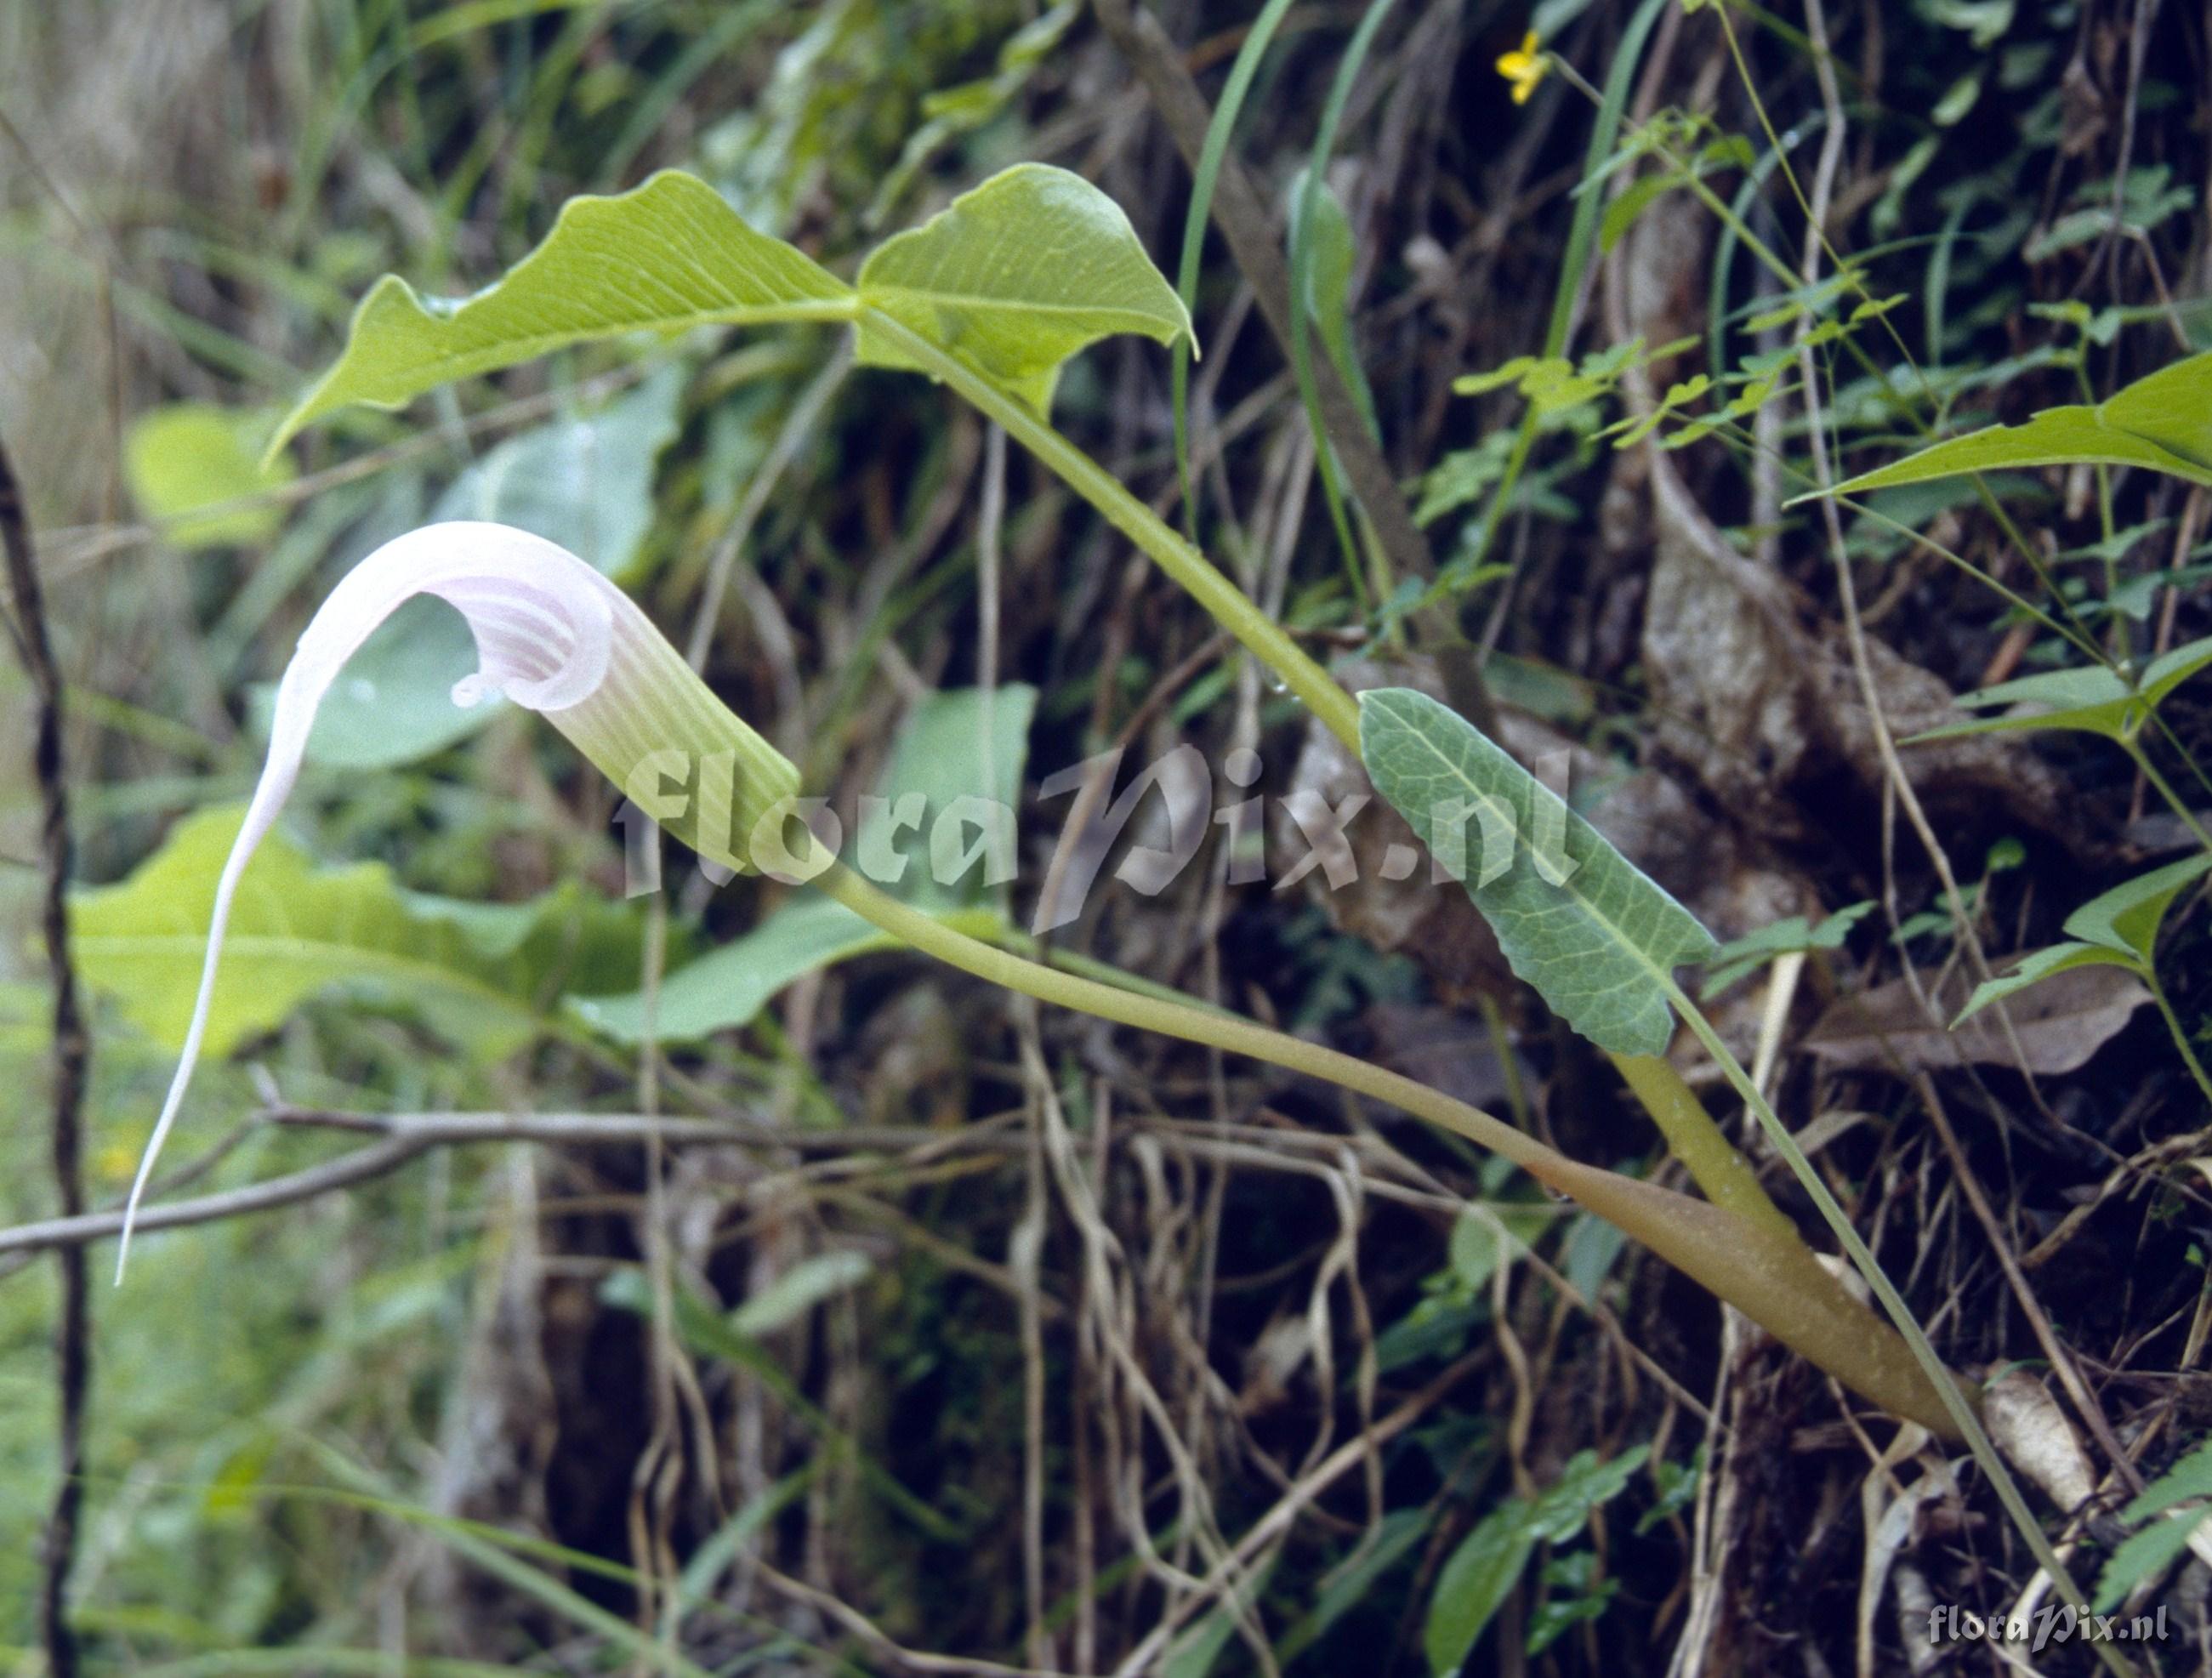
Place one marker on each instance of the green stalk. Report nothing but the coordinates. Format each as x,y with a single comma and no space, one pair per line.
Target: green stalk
1717,1164
2180,1038
1966,1422
2165,790
1764,1271
1228,604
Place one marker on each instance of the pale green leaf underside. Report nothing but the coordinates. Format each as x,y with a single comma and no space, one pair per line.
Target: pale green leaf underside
2127,918
2163,422
2035,969
1600,946
186,456
1017,276
2090,700
668,255
728,986
296,930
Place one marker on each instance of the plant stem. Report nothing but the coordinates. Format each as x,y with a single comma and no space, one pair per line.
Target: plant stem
1775,1279
2165,790
1962,1412
1717,1164
2180,1038
1228,604
1767,1272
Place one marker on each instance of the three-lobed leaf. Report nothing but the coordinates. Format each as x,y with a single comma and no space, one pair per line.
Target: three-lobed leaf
1596,937
1014,277
2090,699
666,257
2162,422
2117,928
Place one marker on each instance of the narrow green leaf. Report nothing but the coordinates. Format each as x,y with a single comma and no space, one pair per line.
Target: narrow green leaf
296,931
2162,422
1490,1559
1014,277
1746,955
2142,1554
1596,936
2170,670
2148,1552
791,1295
1473,1584
2033,969
1203,181
666,257
727,988
2126,919
1329,289
189,455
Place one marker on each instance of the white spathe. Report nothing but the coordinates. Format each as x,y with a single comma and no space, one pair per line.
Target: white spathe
552,635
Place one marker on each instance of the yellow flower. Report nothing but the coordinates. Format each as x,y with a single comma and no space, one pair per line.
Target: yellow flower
1523,69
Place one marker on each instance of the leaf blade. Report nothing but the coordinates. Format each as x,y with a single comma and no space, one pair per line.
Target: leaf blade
1599,943
2157,423
667,255
299,931
1016,276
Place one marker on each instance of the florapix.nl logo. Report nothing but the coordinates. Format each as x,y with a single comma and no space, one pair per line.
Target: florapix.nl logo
1164,811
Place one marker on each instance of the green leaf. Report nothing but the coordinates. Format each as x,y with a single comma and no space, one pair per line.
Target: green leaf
2148,1552
1473,1584
2162,422
475,974
585,481
191,455
1745,955
944,754
957,743
666,257
2190,1477
798,1290
1596,936
1572,1594
727,988
1014,277
2126,919
1490,1559
2033,969
2092,700
1583,1484
1328,289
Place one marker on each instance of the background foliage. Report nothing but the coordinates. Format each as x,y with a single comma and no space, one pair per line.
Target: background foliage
999,1337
